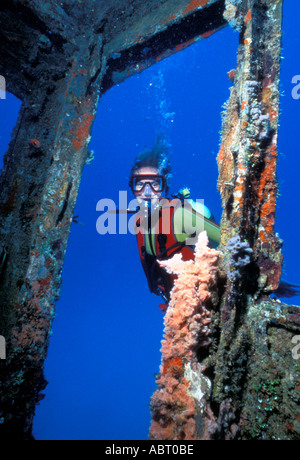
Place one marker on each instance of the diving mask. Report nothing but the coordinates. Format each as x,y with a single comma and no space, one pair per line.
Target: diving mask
138,182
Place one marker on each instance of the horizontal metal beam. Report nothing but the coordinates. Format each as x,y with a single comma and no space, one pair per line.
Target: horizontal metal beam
180,33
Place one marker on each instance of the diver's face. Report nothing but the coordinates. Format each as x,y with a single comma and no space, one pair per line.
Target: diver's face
148,184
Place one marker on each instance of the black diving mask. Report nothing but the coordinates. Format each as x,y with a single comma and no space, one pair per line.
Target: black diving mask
138,182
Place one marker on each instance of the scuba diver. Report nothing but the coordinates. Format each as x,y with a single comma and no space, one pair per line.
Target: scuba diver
165,226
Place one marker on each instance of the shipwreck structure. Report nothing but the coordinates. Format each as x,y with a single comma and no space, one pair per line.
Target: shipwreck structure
240,380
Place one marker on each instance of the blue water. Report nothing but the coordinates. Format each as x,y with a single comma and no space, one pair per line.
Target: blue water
105,347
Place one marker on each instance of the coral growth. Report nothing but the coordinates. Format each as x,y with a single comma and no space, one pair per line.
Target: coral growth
182,387
240,256
232,75
237,256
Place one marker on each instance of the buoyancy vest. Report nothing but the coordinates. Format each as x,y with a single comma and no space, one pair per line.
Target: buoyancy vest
158,241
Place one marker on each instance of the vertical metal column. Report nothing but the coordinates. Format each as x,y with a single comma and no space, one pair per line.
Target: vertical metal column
248,155
39,186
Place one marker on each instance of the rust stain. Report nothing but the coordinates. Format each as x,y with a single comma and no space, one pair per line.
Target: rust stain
262,236
269,173
244,104
267,195
184,45
195,4
48,262
45,284
248,17
221,154
170,19
208,33
81,131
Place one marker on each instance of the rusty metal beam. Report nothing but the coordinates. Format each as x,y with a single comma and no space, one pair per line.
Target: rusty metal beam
39,185
248,154
36,36
255,332
182,31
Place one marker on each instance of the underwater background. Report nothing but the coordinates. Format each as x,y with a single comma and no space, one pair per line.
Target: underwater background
105,348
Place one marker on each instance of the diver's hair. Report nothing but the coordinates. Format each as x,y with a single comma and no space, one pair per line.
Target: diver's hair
157,158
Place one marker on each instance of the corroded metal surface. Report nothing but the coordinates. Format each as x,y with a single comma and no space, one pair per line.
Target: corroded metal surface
184,29
39,185
248,154
253,364
36,35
